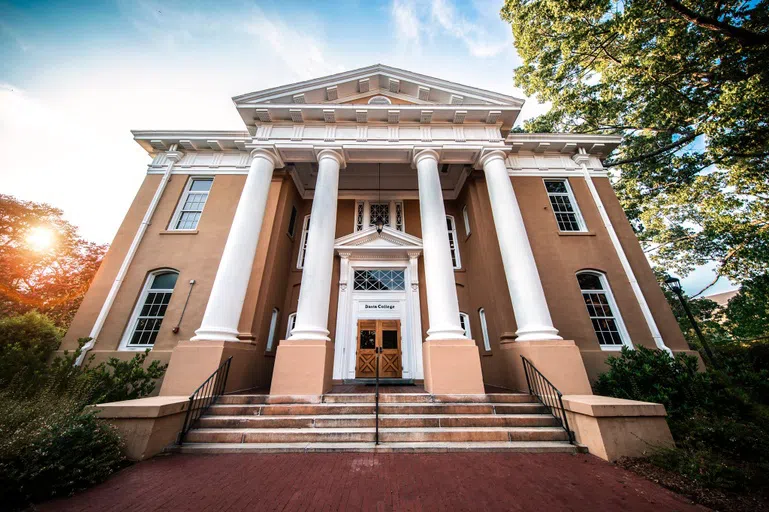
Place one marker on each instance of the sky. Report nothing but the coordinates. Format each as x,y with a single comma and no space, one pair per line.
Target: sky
76,77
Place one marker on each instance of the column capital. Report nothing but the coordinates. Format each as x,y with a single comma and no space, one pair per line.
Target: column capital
269,154
422,153
490,155
333,153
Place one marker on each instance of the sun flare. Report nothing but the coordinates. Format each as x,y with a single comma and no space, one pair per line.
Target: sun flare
40,239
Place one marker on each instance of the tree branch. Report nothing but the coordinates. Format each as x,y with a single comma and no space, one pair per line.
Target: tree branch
743,36
674,145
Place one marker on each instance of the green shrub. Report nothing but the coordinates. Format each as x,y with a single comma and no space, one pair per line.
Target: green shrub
118,380
50,446
26,344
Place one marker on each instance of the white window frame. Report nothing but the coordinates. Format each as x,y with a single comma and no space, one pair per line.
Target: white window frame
180,206
484,330
572,201
131,326
623,334
457,260
273,328
464,318
303,243
295,214
380,97
466,218
366,219
290,324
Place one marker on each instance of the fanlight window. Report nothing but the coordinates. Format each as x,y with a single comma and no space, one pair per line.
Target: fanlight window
379,280
380,100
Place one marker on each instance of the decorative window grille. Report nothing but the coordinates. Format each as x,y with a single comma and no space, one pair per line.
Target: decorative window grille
359,209
292,222
379,280
273,328
290,325
484,330
303,243
192,203
567,215
399,215
466,218
151,309
452,228
602,309
379,209
464,321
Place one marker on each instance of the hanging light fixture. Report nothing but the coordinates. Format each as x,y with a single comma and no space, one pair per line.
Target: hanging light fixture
379,221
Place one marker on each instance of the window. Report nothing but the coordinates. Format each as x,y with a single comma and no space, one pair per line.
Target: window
380,100
303,243
292,222
564,206
603,311
464,321
291,324
380,280
466,218
191,205
455,261
273,327
484,330
399,215
377,210
150,309
359,208
367,212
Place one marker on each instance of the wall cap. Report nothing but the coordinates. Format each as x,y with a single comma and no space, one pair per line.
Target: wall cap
605,406
150,407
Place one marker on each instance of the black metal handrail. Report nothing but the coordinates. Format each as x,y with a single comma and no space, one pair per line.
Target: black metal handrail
377,351
547,394
204,397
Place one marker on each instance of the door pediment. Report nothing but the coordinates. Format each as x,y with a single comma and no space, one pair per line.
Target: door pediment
368,244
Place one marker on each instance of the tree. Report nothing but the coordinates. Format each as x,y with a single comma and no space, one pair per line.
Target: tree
51,279
687,84
747,313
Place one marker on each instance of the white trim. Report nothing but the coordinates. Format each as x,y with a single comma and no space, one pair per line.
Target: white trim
303,243
466,218
378,96
273,328
290,323
616,315
581,158
573,203
457,259
464,321
125,341
392,210
484,330
172,226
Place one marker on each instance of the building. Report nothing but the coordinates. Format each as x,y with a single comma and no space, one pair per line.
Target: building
376,208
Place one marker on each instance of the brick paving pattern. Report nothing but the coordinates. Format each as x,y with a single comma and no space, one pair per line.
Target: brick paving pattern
377,482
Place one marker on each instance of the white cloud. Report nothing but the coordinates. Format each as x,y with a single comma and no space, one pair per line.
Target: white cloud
407,24
480,38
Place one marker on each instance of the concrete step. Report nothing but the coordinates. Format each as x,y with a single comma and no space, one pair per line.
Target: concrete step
357,408
386,435
366,398
425,447
385,421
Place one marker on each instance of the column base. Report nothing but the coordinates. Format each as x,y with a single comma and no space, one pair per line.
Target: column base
452,367
558,360
192,362
303,367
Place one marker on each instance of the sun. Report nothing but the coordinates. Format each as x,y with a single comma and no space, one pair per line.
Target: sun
40,239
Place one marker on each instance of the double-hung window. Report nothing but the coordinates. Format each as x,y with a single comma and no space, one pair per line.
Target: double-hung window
564,206
303,243
290,325
466,218
452,229
603,311
484,330
150,310
464,322
273,329
191,206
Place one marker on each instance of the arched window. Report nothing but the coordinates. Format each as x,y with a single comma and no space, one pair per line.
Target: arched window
150,310
464,321
452,228
603,311
273,328
290,325
484,330
380,100
303,242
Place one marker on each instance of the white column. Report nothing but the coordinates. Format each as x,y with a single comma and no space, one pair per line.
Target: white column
315,293
220,321
442,305
529,305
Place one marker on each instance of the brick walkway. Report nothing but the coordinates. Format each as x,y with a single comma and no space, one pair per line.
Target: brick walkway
365,481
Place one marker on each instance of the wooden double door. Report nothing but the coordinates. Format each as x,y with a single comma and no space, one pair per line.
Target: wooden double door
371,335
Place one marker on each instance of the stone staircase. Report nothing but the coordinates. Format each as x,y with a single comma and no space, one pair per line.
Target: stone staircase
407,422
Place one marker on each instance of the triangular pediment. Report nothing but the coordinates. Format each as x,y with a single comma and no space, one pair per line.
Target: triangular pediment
389,241
350,86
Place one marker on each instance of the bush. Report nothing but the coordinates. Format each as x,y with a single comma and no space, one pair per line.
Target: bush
51,447
26,344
